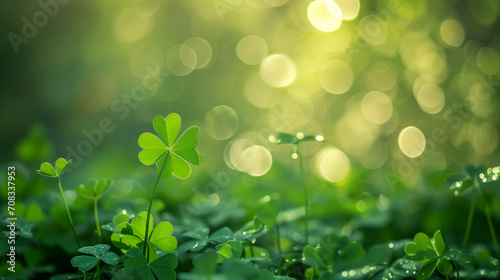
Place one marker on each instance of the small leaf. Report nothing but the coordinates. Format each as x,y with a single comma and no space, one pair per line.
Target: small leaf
95,250
160,237
153,148
61,165
135,258
120,218
199,233
426,270
110,258
163,267
206,263
439,245
84,263
444,266
110,227
222,235
47,170
173,124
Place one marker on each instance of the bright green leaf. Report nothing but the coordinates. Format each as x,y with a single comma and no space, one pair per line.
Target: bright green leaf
439,245
47,170
61,165
426,269
444,266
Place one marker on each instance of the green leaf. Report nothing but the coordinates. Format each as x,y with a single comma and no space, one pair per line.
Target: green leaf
185,147
61,165
224,250
352,252
84,263
285,138
200,233
94,188
206,263
160,237
95,250
139,224
230,249
173,124
426,269
268,209
153,148
311,257
221,235
135,258
120,218
163,267
444,266
46,169
439,245
110,258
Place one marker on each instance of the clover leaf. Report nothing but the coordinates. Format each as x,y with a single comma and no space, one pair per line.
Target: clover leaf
201,238
94,254
132,235
161,268
431,253
176,151
94,188
46,169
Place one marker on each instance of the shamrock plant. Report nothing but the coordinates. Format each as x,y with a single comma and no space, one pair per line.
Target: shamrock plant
94,254
332,255
161,268
431,253
295,140
46,169
474,178
169,152
94,189
129,235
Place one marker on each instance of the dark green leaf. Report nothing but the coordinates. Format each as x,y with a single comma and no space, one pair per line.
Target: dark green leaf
84,263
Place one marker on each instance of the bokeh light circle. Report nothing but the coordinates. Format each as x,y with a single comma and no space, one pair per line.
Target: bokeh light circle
252,49
324,15
377,107
278,70
430,98
349,8
333,164
411,141
452,33
258,160
181,60
336,77
202,49
221,122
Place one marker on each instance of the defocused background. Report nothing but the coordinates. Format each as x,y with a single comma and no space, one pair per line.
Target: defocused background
405,93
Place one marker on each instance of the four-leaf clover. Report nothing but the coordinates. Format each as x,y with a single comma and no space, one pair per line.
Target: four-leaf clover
177,151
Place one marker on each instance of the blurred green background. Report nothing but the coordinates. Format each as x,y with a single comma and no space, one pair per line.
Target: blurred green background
405,93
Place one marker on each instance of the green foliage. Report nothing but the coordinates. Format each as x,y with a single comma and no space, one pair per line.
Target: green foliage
94,188
287,138
177,151
161,268
130,235
201,238
94,254
46,169
431,253
333,254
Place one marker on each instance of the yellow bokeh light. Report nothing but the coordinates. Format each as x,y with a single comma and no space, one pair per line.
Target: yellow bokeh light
349,8
202,49
221,122
181,60
377,107
146,8
382,76
336,77
251,49
430,98
452,33
260,94
258,160
487,60
373,29
129,27
354,135
333,164
275,3
278,70
324,15
411,141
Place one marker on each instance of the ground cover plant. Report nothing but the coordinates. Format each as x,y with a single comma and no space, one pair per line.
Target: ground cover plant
250,140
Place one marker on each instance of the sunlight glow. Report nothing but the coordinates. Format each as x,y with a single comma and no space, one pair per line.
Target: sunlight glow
333,164
336,77
252,49
377,107
324,15
278,70
221,122
411,141
430,98
452,33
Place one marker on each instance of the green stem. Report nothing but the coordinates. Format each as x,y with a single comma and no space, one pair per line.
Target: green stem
490,223
146,247
469,220
67,211
306,198
84,276
278,243
98,271
456,268
97,220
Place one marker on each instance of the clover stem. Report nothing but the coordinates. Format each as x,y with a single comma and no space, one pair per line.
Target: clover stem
97,220
469,220
278,243
306,197
67,211
98,264
490,224
146,247
456,268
